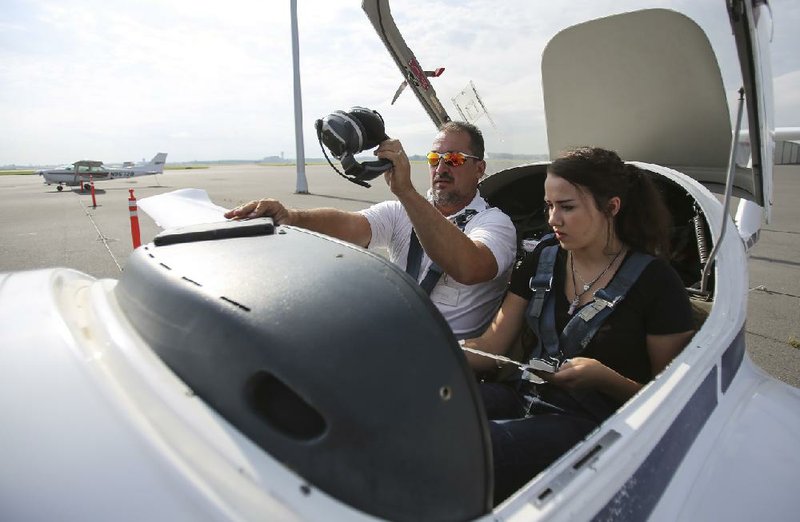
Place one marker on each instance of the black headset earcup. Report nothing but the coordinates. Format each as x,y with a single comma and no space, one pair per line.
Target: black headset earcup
341,133
372,126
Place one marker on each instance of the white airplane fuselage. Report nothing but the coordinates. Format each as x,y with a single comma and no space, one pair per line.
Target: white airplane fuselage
79,174
69,178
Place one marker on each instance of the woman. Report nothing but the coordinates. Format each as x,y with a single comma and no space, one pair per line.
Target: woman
604,215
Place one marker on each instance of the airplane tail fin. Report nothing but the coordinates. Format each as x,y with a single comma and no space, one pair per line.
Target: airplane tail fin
157,163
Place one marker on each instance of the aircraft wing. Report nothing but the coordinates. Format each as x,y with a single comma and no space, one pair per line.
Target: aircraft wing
181,208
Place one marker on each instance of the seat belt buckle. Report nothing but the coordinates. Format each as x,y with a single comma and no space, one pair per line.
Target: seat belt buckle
588,312
596,306
532,377
547,365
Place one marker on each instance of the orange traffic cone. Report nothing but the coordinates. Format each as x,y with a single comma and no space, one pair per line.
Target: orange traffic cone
94,200
133,209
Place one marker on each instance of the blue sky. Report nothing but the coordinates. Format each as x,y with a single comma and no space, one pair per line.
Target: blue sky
120,81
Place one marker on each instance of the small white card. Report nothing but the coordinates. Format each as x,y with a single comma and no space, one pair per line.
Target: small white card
446,295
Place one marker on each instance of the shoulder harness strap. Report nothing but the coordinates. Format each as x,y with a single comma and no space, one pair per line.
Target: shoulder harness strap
584,325
540,305
580,330
415,255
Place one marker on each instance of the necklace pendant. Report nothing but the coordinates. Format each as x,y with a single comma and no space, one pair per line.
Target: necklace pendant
587,286
573,305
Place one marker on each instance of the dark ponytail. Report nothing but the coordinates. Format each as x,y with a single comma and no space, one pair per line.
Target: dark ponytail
642,221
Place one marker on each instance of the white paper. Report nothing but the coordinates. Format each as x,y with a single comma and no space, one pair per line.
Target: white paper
181,208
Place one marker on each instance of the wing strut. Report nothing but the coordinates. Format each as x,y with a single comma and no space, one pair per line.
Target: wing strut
728,193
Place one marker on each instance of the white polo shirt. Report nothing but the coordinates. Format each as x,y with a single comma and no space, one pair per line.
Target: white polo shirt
468,309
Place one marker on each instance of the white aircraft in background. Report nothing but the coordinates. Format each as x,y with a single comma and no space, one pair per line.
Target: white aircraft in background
241,371
81,172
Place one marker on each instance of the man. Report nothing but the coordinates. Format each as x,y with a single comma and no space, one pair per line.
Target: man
474,257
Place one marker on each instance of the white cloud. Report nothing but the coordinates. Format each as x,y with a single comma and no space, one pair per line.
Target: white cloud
118,80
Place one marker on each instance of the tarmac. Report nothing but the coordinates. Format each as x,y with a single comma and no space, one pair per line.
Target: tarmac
43,228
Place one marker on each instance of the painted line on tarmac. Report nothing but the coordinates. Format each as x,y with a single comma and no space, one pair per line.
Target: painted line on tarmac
103,238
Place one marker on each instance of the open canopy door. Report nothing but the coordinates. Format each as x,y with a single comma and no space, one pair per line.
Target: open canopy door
646,84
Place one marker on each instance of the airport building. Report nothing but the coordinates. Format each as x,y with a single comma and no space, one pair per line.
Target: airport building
787,153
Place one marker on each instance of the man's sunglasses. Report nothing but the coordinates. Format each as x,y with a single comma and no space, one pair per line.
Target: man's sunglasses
453,159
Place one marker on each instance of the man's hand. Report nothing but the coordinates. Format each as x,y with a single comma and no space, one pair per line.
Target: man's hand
348,226
399,176
262,207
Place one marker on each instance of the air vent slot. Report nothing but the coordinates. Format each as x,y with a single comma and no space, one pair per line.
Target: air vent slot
283,408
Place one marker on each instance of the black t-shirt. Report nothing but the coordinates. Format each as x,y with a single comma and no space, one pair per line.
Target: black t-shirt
656,304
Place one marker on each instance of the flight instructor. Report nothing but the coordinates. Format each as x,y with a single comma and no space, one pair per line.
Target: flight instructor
459,249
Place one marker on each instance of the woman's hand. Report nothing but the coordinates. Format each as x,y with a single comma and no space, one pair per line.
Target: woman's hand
583,373
579,373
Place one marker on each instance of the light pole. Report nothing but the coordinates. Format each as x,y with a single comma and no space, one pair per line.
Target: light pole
302,184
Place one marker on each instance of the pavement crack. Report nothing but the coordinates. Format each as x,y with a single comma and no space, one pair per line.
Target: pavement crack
100,236
762,288
790,341
776,231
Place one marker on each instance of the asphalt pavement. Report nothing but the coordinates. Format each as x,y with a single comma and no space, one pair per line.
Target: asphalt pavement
41,228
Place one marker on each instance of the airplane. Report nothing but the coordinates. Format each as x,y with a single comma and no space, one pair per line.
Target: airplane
80,172
243,371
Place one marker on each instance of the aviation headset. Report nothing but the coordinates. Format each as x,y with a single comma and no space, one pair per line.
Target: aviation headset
348,133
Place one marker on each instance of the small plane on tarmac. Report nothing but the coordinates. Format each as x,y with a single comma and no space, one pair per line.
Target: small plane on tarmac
80,172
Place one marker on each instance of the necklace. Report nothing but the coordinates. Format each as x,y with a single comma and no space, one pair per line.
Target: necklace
587,286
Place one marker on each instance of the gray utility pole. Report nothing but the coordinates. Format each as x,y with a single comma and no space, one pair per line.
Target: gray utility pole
302,184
